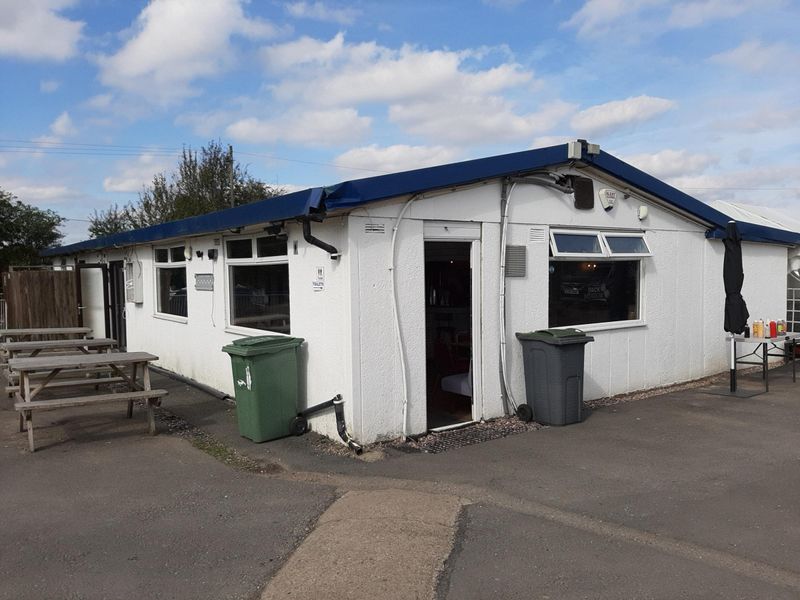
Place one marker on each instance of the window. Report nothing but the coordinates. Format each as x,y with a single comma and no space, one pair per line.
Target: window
171,281
258,283
595,277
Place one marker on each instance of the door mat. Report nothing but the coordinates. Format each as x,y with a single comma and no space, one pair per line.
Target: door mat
434,443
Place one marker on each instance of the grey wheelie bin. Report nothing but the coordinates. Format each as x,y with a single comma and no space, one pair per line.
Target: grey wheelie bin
265,379
553,363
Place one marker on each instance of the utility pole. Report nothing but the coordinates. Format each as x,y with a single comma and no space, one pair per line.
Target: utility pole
230,175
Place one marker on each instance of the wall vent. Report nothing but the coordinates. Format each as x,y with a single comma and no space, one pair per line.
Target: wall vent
516,261
537,235
374,228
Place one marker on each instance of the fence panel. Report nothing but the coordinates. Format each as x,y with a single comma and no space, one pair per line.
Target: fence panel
41,298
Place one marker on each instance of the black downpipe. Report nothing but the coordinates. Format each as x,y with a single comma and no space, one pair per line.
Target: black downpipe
318,242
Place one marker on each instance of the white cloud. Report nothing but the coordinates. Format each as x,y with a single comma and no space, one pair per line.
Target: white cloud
37,194
599,16
755,57
316,127
335,73
62,126
131,176
672,163
473,119
630,19
48,86
543,141
100,101
773,185
390,159
604,118
34,30
768,116
320,12
694,14
176,43
443,95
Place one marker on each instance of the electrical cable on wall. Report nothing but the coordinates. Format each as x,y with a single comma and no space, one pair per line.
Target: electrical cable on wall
396,313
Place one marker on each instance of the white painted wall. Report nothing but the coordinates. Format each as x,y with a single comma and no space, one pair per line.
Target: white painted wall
192,346
680,336
348,327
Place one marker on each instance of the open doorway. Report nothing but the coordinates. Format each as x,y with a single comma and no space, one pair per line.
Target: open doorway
448,333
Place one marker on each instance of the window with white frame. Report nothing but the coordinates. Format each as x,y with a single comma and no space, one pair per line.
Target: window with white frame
170,263
595,276
258,282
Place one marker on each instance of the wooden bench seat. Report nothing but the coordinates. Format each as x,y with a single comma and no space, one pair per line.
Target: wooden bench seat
66,383
151,396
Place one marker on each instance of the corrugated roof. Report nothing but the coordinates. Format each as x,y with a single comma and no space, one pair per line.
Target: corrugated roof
350,194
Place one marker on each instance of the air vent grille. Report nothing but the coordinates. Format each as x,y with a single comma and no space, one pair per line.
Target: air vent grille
516,261
537,236
374,228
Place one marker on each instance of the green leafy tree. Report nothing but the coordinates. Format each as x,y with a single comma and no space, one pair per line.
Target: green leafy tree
204,182
25,231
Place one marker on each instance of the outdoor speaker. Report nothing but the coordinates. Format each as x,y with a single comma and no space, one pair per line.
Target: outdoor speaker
583,189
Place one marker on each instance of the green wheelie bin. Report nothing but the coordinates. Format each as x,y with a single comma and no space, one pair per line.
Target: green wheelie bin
265,379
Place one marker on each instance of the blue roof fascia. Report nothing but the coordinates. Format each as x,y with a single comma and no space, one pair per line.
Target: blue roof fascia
279,208
354,193
759,233
630,174
350,194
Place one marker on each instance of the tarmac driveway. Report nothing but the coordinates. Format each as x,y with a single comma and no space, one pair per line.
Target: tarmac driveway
103,510
684,495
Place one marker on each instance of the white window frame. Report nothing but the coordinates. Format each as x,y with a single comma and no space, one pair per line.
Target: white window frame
254,260
170,264
611,254
605,247
606,256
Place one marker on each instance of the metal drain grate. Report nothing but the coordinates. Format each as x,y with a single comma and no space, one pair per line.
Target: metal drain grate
434,443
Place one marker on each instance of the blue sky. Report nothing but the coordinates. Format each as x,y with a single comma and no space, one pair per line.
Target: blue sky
102,94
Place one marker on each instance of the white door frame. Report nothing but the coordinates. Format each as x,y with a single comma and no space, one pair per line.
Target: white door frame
446,231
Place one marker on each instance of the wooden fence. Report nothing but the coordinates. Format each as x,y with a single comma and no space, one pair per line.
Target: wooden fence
41,298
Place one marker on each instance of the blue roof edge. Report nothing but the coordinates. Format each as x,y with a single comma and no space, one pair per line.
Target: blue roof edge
349,194
750,232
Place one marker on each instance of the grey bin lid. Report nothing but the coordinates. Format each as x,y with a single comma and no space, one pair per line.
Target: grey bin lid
262,344
556,337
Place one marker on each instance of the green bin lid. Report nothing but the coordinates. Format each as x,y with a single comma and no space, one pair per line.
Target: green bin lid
567,335
262,344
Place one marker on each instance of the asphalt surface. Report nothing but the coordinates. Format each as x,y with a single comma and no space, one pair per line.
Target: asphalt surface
684,495
103,510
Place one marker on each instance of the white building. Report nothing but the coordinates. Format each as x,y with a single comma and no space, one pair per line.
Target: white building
397,283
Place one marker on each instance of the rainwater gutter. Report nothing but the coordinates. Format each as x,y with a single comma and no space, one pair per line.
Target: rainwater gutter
314,241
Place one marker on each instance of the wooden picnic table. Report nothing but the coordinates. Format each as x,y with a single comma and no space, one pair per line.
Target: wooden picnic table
35,347
11,335
27,402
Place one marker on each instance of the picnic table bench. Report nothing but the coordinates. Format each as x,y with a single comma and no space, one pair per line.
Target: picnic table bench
27,402
10,335
34,348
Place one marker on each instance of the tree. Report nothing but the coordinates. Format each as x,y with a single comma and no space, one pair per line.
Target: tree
204,182
25,231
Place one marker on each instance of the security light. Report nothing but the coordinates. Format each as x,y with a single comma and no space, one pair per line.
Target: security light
794,267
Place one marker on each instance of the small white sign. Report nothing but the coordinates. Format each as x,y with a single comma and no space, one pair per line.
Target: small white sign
318,284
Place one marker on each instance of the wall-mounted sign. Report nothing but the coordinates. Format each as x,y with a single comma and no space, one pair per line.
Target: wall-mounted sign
318,283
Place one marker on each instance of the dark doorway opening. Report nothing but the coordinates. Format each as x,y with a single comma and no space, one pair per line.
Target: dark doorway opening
448,333
116,297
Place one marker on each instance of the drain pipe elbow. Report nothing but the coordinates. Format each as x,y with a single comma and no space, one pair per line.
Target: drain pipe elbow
318,242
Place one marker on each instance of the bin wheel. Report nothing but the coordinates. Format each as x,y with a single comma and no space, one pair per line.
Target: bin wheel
299,426
524,413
